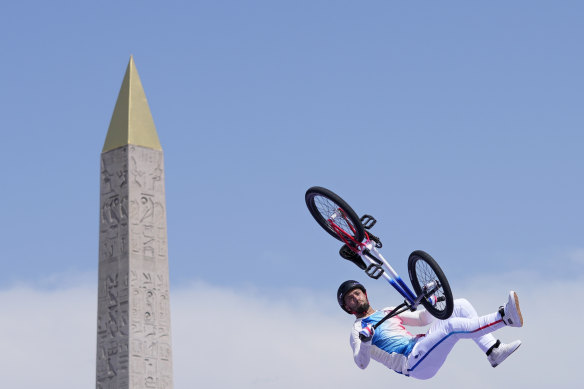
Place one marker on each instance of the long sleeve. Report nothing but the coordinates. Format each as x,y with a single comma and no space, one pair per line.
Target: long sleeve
361,350
419,318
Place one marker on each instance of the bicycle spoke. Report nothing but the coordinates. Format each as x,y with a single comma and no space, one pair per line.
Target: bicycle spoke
426,275
327,208
334,215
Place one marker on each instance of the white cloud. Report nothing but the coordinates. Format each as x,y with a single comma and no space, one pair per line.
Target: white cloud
577,256
48,338
240,338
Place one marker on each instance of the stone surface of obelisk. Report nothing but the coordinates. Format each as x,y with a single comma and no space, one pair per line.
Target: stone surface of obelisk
133,320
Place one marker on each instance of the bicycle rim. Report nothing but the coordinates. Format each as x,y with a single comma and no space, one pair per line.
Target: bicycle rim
423,269
334,215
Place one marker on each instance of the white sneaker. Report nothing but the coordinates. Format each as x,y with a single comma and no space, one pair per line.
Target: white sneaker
511,313
499,354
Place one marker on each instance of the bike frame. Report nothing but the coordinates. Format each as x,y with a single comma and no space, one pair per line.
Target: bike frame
372,257
377,265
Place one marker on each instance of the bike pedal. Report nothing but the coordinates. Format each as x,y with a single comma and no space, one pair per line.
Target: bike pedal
374,271
368,221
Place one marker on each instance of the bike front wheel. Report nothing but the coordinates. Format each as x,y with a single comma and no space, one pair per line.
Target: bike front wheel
334,215
424,270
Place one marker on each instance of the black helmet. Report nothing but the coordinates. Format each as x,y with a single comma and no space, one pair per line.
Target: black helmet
345,288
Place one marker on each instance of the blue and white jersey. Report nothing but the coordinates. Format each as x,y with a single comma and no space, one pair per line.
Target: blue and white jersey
391,344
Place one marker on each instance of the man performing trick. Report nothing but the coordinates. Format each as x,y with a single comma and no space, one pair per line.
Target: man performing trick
421,356
380,335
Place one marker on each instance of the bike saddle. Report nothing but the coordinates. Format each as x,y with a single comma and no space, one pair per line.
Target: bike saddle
352,256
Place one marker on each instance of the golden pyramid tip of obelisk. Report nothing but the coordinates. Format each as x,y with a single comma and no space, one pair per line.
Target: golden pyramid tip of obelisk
131,121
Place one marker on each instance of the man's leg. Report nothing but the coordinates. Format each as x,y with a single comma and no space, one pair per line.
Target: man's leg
495,351
431,351
465,309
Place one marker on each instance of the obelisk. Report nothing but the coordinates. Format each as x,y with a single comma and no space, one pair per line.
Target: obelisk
133,319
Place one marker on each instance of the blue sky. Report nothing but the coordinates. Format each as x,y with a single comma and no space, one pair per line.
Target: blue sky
459,126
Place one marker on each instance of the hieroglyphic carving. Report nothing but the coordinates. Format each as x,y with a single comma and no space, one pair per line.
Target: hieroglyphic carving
113,293
114,208
134,342
113,330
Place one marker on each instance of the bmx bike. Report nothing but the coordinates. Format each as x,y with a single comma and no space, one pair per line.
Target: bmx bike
431,288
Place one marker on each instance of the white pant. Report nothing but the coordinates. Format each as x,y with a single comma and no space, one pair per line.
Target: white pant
429,354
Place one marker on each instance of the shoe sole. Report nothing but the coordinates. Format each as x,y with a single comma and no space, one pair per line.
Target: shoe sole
516,298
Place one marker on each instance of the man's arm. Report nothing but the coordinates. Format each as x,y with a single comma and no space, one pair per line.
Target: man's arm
361,350
418,318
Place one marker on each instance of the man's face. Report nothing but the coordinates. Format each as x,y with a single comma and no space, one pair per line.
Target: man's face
356,301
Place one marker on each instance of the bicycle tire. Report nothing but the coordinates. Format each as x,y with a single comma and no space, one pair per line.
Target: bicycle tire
423,269
322,203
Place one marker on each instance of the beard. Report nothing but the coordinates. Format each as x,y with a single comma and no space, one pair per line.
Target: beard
361,309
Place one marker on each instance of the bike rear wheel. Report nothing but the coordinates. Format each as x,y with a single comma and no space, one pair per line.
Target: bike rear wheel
423,269
324,206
